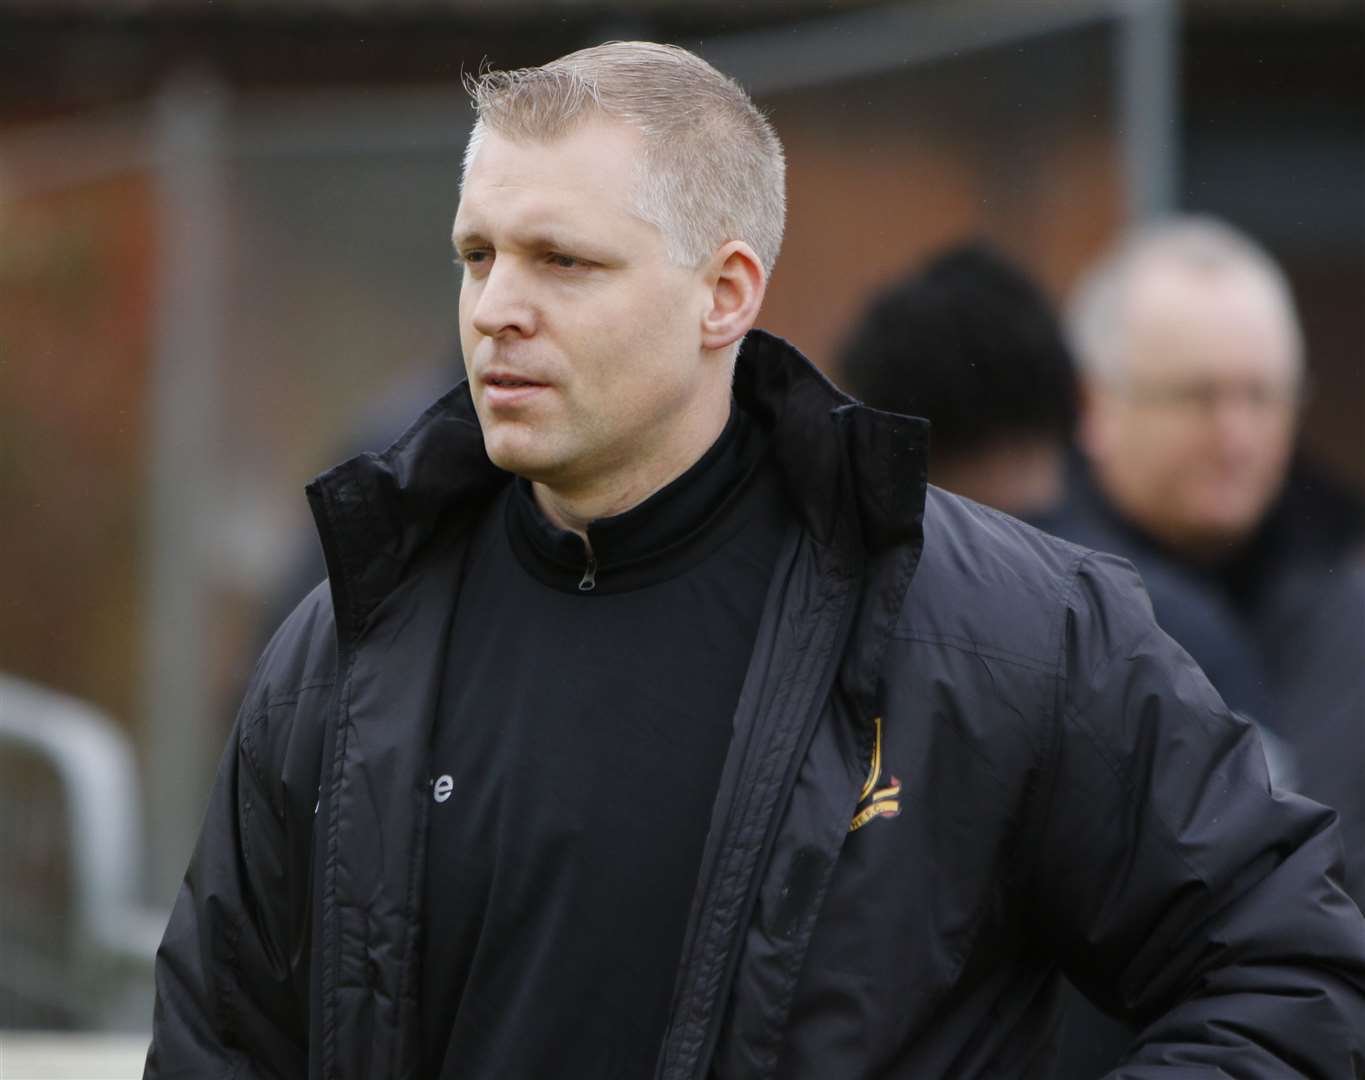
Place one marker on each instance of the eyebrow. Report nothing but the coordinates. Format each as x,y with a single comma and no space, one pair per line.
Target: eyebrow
465,238
541,240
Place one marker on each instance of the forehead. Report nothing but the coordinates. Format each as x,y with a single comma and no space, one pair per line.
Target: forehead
1223,322
587,173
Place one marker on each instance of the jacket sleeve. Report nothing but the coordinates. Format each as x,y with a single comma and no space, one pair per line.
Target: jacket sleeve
1180,890
232,972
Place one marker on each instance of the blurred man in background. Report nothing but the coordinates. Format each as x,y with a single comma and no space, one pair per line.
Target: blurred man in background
969,342
657,720
1194,374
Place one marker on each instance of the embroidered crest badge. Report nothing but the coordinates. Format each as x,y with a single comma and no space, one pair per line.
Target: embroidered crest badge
875,802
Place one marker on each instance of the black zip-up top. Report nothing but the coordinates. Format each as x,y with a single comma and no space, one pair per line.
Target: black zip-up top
579,739
964,759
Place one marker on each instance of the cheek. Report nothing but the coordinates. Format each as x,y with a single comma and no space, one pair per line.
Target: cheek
669,310
468,338
1153,442
1280,445
1159,458
631,361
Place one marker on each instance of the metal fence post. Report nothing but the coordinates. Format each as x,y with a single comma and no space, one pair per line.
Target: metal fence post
189,140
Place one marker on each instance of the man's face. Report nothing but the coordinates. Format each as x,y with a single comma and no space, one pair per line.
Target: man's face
582,341
1192,442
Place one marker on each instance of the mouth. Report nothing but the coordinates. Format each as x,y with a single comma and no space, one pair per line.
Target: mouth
506,390
510,382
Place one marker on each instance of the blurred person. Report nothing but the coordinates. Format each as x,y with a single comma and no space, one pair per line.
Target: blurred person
657,720
969,342
1194,372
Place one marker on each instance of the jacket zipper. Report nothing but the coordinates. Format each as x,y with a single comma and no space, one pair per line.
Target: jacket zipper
589,581
691,1038
824,686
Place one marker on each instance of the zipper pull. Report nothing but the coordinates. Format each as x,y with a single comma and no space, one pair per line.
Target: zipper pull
589,581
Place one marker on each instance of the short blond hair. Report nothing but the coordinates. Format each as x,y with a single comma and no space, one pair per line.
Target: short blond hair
712,170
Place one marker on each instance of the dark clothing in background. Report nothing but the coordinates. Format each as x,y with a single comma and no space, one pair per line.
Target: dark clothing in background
579,740
1279,628
1249,619
964,759
1319,618
1192,605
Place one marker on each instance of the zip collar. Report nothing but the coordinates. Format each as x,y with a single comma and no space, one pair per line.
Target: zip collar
661,537
855,476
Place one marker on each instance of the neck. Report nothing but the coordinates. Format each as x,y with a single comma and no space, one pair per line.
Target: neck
575,506
1204,550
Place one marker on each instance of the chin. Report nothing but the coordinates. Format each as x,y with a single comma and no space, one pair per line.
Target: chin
506,453
1239,521
533,463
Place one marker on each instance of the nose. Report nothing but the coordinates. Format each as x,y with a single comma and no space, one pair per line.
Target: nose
502,303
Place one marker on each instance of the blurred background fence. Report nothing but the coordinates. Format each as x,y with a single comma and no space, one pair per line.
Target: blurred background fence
224,240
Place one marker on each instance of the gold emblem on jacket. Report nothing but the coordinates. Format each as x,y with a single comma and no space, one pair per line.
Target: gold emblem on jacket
875,802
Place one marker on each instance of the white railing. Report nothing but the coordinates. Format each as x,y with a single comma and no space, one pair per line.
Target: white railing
28,1055
101,973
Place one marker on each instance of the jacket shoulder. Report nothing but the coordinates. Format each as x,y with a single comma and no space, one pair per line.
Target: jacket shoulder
301,653
997,586
283,711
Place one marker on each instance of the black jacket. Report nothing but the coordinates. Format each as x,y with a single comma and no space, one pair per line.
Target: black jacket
1277,627
1043,778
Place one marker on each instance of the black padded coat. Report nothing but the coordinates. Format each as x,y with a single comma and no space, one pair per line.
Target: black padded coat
964,758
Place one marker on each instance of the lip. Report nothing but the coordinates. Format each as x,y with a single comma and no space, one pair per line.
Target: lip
505,389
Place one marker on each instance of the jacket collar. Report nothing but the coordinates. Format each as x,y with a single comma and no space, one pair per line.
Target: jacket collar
855,476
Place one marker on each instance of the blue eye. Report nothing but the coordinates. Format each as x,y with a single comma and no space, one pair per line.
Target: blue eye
564,262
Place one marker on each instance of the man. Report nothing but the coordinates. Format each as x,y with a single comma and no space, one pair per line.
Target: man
1194,371
655,722
969,342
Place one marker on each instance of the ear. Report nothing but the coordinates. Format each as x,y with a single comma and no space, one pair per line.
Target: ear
737,283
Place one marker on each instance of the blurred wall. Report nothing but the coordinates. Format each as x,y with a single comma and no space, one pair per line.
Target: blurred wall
1274,138
76,274
1016,143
